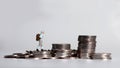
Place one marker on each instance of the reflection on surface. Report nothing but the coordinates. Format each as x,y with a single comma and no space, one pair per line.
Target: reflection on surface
55,63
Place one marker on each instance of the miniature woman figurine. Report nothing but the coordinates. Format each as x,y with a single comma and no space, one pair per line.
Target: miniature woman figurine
39,37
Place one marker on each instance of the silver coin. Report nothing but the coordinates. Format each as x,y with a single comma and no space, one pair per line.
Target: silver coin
83,46
87,50
102,56
74,53
86,38
87,43
18,55
9,56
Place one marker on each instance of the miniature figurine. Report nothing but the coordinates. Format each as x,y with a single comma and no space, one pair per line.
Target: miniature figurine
39,37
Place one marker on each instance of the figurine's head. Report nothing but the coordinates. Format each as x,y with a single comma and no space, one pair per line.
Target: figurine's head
37,37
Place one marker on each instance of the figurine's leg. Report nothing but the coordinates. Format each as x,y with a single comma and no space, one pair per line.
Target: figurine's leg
38,47
40,44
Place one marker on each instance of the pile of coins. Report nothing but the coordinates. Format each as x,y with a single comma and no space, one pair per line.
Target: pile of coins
85,50
61,51
43,54
86,46
19,55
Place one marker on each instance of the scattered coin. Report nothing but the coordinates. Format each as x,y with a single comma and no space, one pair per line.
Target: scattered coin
102,56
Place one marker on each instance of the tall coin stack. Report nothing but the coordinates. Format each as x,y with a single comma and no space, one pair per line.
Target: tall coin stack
86,46
61,51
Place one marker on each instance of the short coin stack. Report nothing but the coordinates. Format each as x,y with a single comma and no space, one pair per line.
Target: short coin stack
86,46
61,51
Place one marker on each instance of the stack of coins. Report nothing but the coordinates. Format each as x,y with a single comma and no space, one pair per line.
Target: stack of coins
61,51
86,46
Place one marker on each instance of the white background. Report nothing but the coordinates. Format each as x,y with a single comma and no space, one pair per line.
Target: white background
62,21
